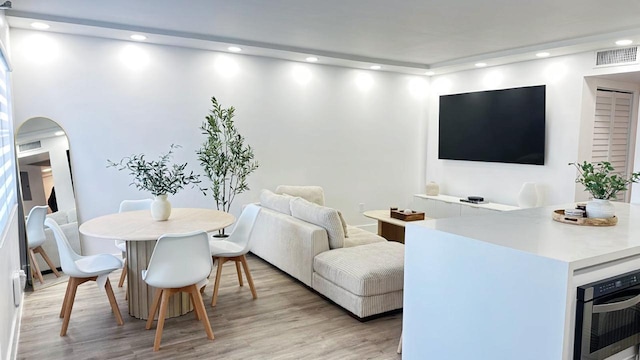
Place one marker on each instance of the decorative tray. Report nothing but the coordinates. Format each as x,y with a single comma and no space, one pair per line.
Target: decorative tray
407,217
558,215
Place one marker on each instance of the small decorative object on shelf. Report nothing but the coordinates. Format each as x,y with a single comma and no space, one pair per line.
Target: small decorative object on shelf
600,180
157,177
407,215
432,189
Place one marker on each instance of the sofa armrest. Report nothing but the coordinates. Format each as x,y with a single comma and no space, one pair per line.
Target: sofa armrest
288,243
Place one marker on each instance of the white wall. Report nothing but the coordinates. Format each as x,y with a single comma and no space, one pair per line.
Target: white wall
363,145
9,259
564,78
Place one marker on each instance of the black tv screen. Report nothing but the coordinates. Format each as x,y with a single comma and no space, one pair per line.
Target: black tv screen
505,126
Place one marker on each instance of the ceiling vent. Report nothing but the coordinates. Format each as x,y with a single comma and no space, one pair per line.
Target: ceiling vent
618,56
29,146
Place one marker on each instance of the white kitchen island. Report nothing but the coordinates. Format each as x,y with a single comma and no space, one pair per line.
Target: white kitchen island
503,286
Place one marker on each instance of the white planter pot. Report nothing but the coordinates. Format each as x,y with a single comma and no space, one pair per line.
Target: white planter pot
160,208
599,208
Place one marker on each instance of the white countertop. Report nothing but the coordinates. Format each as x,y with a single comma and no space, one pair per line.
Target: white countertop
534,231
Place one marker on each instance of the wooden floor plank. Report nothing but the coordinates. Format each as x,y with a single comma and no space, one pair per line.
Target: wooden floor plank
287,321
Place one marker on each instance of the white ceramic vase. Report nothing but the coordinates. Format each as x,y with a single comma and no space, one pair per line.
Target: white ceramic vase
432,189
528,195
160,208
599,208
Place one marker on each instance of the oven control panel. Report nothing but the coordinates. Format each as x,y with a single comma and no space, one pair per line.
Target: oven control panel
607,286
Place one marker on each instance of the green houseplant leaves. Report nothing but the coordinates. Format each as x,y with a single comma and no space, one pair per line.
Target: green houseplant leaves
158,177
600,180
225,158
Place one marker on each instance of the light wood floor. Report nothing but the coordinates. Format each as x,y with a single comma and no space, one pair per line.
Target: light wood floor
287,321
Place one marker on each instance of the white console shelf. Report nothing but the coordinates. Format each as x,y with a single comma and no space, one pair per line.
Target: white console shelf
445,206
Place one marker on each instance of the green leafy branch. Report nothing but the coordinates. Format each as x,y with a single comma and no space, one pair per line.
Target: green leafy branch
156,176
599,180
226,160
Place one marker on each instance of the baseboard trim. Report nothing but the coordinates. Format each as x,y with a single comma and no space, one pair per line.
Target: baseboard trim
12,351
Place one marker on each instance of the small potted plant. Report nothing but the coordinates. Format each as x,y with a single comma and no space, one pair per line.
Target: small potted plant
226,160
600,180
158,177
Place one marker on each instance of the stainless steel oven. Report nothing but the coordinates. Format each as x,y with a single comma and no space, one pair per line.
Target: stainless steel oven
607,317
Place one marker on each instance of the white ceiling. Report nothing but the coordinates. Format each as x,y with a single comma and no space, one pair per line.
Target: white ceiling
406,35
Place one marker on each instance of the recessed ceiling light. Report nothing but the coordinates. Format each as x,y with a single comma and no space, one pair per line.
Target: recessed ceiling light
234,49
481,64
58,133
624,42
312,59
40,26
375,67
138,37
542,54
46,170
430,73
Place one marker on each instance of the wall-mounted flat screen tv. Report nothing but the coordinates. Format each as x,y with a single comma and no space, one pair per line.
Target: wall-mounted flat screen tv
505,126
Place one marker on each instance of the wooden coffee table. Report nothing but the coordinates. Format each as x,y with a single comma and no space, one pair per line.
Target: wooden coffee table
388,227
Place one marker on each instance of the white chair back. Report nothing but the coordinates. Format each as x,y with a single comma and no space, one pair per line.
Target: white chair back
135,205
35,226
179,260
241,234
68,257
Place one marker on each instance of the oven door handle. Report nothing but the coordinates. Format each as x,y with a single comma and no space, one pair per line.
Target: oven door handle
621,305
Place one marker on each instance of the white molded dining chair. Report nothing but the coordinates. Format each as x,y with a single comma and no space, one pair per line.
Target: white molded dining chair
129,205
80,270
234,248
179,263
35,239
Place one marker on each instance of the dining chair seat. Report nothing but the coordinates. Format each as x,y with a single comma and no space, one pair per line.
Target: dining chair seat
129,205
234,248
35,239
179,263
80,270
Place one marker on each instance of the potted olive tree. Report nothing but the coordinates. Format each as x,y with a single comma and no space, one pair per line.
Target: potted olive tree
225,158
603,184
158,177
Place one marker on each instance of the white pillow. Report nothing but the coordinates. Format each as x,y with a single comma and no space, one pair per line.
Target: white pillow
322,216
279,203
344,224
315,194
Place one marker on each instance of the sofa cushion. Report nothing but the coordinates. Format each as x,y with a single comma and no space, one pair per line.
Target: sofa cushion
344,224
358,236
279,203
322,216
315,194
365,270
59,216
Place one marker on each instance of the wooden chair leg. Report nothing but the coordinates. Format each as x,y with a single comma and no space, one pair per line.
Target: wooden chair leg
46,258
193,301
163,312
198,303
154,308
239,271
66,297
243,259
123,275
114,304
73,283
36,268
216,286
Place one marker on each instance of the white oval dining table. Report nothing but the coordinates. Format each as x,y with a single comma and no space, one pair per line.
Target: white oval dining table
141,232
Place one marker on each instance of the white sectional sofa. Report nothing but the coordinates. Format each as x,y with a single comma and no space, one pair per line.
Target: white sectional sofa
362,272
69,224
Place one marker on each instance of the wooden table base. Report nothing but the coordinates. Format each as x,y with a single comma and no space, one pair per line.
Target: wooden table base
140,294
390,231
